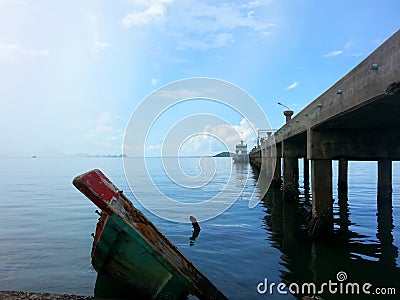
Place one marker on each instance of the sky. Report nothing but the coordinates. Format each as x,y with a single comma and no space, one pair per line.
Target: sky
72,73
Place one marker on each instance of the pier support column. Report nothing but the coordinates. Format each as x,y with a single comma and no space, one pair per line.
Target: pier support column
277,176
276,179
343,221
269,162
306,174
289,186
291,150
322,205
342,179
296,172
384,182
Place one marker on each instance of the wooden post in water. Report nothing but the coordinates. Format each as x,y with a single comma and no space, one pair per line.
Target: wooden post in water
322,204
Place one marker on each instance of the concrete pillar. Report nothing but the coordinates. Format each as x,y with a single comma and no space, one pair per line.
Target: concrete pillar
342,179
306,174
277,177
289,177
296,172
384,182
344,214
256,158
322,204
269,161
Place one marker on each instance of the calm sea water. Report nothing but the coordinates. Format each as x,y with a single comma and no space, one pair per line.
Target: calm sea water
46,223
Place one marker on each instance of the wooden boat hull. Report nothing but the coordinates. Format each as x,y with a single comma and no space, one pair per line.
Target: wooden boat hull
132,257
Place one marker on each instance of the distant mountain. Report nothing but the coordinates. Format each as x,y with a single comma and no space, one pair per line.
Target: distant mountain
224,154
50,152
54,153
96,155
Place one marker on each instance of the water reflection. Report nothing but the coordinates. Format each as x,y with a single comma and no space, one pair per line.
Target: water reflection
363,258
241,173
196,231
389,252
344,213
193,238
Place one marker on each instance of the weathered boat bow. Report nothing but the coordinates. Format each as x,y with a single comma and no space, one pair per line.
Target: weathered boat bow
132,257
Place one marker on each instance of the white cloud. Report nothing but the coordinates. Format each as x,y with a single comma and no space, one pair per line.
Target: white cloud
181,60
113,138
257,3
154,81
377,42
293,85
247,130
334,53
203,18
154,11
98,45
13,51
217,138
349,45
153,147
358,54
181,94
14,2
254,4
198,25
201,144
208,42
101,132
146,3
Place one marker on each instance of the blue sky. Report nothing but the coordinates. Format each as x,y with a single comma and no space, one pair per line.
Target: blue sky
72,72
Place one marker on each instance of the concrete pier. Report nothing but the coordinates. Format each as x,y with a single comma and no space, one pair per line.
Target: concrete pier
356,119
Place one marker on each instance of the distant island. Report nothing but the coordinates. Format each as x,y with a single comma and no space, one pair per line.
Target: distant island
224,154
97,155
